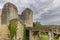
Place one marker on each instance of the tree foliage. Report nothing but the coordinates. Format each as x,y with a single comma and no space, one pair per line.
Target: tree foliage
12,28
36,24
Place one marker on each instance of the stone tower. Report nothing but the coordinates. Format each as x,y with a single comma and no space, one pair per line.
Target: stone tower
27,17
9,12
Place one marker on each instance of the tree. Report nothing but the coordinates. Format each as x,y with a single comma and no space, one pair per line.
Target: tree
12,28
36,24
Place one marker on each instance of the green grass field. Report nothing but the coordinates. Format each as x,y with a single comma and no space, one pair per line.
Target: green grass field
45,37
57,38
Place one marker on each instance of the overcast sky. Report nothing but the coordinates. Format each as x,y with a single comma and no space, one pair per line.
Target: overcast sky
44,11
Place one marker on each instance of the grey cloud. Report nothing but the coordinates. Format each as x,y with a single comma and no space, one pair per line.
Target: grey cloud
51,13
2,1
43,11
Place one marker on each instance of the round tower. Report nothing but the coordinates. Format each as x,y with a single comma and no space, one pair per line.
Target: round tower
27,17
9,12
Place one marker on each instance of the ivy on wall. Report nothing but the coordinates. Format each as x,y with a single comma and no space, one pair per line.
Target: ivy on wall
24,33
12,28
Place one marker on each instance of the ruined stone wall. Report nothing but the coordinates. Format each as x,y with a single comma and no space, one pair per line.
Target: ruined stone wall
4,33
27,17
20,31
10,12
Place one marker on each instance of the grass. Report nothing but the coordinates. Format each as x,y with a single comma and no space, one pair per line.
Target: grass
45,37
57,38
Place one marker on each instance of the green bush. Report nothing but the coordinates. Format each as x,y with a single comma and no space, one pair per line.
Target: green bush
36,24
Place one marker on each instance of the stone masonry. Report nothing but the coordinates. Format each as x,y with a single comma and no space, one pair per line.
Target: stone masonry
10,12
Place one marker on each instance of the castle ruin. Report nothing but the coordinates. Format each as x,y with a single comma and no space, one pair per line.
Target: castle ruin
10,12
